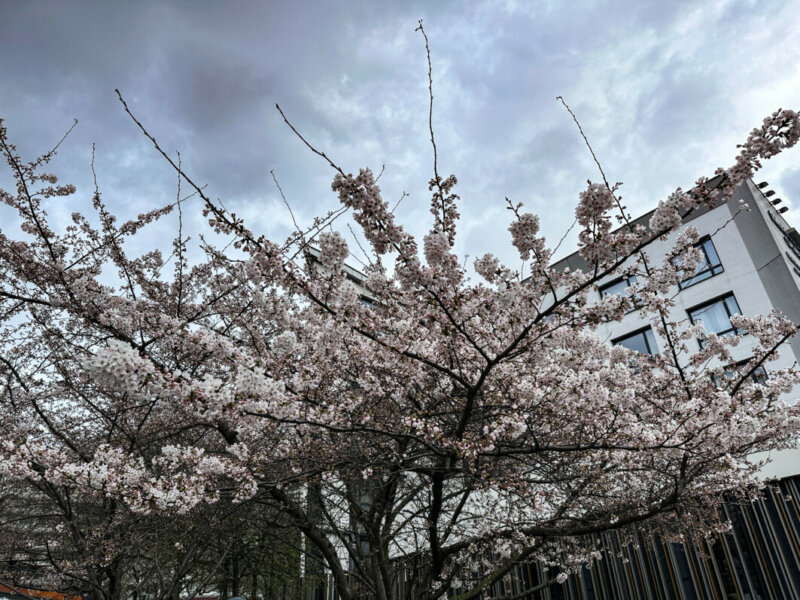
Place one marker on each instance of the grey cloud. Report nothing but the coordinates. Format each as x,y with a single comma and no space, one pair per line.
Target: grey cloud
790,182
658,86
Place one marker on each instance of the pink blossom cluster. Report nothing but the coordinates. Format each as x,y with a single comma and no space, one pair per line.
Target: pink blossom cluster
333,251
444,205
668,216
488,267
779,131
363,195
437,248
593,206
523,235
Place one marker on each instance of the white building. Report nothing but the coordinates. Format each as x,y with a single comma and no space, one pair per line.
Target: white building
751,266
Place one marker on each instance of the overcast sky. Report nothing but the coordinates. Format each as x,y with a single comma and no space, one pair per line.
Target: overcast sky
664,90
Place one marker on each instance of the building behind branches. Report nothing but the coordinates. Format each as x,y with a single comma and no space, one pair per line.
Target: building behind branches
750,266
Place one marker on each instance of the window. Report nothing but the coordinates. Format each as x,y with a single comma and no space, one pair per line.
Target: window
737,370
795,265
617,286
787,234
366,301
642,341
792,245
716,316
709,266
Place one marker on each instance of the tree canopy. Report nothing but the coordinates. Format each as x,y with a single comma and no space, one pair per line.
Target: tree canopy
416,417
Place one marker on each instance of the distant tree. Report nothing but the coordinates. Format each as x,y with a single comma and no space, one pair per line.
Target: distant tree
423,430
243,549
257,554
112,549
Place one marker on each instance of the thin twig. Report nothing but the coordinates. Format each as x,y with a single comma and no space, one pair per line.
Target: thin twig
642,255
46,157
405,194
198,189
317,228
585,139
306,142
94,174
288,206
180,240
360,247
566,233
430,104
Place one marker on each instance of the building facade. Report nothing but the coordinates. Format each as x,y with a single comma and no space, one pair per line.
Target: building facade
751,266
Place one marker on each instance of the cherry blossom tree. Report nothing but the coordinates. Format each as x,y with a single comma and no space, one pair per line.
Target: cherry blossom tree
424,428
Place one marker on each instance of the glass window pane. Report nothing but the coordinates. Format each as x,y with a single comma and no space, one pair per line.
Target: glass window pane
733,307
642,342
702,266
757,376
715,317
651,341
618,287
701,276
711,253
634,342
708,266
614,288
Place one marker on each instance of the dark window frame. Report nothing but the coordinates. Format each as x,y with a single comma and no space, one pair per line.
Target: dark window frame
774,219
650,351
786,237
759,376
792,245
721,298
795,265
629,279
711,270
